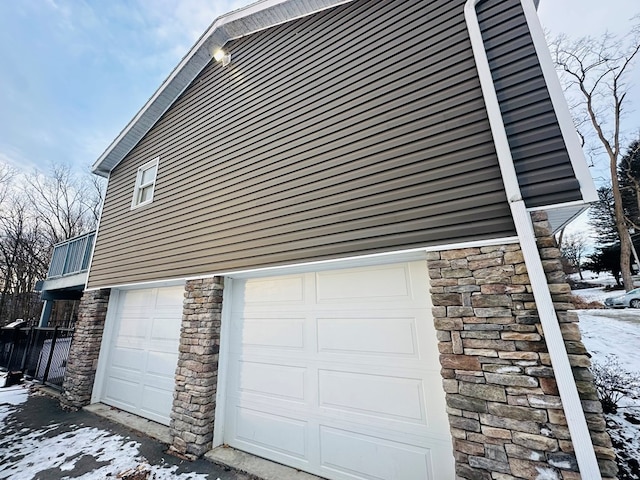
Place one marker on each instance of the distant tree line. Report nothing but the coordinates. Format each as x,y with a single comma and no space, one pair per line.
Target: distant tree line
38,210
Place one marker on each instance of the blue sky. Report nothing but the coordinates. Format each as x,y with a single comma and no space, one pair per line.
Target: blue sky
74,72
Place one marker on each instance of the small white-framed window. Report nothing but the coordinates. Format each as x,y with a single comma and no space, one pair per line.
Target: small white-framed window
145,183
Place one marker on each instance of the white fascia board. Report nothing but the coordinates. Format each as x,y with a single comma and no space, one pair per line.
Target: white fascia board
560,106
576,420
236,24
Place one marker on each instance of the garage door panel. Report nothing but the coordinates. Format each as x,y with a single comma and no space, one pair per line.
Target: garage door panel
166,328
140,299
273,380
368,457
171,297
277,433
129,359
349,286
161,365
143,352
373,395
268,291
273,332
156,401
122,390
368,336
370,398
132,328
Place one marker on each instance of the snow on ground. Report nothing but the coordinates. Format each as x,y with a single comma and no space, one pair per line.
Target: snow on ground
616,333
15,395
11,397
612,332
595,294
27,454
24,454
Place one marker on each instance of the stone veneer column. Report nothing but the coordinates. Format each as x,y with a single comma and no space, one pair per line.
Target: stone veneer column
505,413
194,398
85,348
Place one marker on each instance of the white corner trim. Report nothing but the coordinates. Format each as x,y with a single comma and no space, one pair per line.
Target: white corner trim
105,343
574,412
560,106
556,206
95,238
571,403
223,361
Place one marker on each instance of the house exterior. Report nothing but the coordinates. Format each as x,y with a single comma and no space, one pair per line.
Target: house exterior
327,240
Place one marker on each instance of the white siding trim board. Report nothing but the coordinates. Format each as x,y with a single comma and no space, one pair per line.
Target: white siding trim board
576,419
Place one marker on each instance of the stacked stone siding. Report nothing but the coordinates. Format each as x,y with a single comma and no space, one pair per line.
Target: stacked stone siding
85,348
505,413
194,397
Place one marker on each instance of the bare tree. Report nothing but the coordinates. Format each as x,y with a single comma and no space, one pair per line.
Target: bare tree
573,249
7,174
36,211
66,204
23,260
594,72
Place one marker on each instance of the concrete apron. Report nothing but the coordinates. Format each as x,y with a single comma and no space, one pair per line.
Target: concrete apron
257,467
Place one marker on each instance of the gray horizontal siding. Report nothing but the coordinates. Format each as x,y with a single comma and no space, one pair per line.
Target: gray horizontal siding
356,130
544,169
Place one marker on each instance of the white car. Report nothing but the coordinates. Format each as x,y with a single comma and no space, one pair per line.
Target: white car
629,299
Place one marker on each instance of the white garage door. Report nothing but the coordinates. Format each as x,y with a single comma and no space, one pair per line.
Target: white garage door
337,373
143,352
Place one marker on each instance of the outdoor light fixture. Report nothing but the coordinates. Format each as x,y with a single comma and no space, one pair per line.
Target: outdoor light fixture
222,57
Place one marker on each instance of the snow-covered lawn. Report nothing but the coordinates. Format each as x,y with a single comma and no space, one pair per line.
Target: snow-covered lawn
616,333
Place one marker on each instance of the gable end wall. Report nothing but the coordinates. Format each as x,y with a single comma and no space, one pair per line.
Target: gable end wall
356,130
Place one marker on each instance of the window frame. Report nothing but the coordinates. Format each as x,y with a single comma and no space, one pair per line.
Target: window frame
139,186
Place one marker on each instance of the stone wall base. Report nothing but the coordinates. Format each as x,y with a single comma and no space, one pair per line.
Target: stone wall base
505,413
85,348
194,404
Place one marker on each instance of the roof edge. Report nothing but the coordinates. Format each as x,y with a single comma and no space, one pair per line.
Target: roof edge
235,24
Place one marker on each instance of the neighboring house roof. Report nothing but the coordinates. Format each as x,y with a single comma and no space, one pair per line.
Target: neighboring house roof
236,24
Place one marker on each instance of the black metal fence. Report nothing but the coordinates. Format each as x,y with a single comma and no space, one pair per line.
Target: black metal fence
39,353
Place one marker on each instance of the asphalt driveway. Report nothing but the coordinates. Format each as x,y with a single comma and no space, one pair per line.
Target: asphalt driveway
39,440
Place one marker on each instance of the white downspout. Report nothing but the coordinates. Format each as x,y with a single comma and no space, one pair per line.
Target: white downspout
577,423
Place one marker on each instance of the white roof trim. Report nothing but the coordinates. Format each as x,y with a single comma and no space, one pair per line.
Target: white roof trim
560,106
253,18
